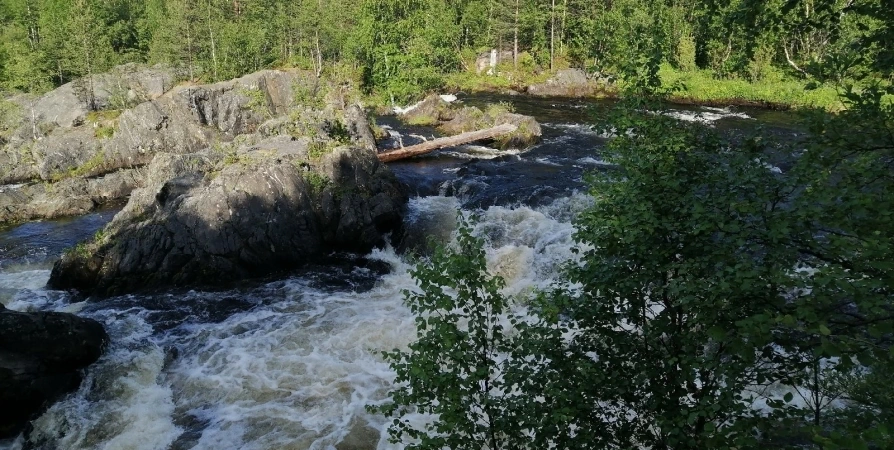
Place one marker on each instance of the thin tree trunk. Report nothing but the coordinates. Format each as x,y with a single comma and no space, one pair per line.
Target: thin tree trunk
562,33
515,39
452,141
213,46
319,60
552,35
788,59
189,49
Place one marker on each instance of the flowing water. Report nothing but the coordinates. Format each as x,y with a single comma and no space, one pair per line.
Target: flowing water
292,363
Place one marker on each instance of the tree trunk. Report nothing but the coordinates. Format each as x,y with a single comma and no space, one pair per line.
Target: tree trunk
562,32
515,39
213,46
189,50
452,141
552,35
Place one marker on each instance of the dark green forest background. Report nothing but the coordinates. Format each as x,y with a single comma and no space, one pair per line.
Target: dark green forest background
403,47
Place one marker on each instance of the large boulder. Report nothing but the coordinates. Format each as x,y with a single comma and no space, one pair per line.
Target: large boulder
572,83
211,218
452,120
41,357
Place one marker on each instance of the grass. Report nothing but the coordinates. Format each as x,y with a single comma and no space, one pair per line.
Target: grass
104,122
89,167
702,87
10,116
257,101
318,149
317,182
696,86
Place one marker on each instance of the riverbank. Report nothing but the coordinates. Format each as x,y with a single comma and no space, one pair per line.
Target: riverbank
690,88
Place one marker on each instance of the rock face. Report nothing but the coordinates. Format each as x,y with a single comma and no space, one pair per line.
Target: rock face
56,138
570,83
41,355
71,197
210,218
452,120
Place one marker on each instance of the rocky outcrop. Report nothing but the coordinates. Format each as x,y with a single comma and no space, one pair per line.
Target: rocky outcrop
211,218
71,197
41,357
453,120
572,83
59,141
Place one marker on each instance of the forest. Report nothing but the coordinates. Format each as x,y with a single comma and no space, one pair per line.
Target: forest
404,47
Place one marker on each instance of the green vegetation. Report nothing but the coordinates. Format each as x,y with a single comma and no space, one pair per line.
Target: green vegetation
719,301
320,148
399,49
104,122
257,102
10,115
90,167
316,181
704,87
453,368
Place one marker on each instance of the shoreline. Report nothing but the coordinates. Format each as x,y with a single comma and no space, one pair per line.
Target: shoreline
692,88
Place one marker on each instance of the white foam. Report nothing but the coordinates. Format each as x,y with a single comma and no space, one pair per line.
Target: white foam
479,152
403,110
22,290
122,405
590,161
586,130
295,373
707,116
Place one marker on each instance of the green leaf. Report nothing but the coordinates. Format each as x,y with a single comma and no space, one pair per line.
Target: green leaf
717,333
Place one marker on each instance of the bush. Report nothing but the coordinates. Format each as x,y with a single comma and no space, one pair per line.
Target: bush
685,54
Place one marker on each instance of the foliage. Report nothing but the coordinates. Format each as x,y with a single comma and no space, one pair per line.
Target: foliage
317,182
405,48
10,115
702,86
451,373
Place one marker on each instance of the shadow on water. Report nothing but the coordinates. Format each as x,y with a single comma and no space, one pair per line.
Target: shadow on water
40,243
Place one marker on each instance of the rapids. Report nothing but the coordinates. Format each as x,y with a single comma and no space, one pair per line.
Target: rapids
291,363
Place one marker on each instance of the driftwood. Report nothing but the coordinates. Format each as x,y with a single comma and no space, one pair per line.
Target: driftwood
452,141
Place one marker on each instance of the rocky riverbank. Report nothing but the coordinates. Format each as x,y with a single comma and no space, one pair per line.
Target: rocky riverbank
226,181
57,152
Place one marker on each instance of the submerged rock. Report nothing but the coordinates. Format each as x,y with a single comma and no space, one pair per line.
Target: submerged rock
211,218
41,357
452,120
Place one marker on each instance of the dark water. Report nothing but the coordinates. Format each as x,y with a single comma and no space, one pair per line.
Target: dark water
571,146
291,363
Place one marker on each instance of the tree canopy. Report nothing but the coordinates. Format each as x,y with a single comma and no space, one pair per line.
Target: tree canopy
407,46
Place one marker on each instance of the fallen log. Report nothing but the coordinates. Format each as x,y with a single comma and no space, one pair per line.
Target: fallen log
451,141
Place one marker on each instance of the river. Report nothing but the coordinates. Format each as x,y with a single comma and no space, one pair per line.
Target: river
291,363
